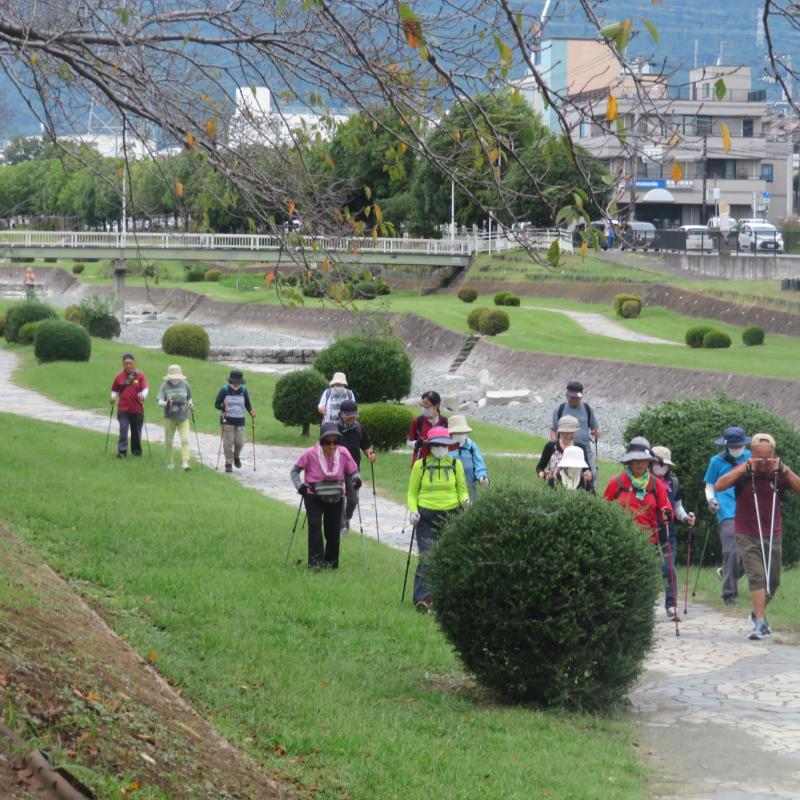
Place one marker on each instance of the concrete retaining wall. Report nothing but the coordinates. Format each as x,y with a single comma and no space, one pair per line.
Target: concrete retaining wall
264,355
735,268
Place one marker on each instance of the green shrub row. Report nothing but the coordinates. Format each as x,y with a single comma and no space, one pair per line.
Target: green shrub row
506,299
21,313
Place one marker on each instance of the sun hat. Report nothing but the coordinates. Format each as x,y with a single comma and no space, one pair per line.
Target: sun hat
349,408
568,424
458,424
573,457
338,377
329,429
638,450
174,373
439,435
733,436
763,438
574,389
236,376
664,455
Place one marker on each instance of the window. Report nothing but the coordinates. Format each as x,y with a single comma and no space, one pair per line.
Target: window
585,130
747,128
766,173
722,168
703,125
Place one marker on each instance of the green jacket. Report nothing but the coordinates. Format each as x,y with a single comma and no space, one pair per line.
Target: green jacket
437,484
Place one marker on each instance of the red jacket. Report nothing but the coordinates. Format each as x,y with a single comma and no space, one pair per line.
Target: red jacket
128,388
419,430
645,512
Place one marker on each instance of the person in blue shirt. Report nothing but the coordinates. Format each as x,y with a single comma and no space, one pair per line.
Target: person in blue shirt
468,453
723,504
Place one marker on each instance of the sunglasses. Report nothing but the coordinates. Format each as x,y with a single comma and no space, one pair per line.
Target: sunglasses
330,441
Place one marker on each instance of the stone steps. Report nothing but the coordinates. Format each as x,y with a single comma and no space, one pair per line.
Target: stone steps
464,353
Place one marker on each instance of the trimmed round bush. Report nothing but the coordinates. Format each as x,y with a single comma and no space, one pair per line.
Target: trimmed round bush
500,298
689,428
386,423
105,327
60,340
212,275
694,336
27,333
474,318
630,309
75,314
185,339
20,313
511,300
195,274
716,339
365,290
754,335
494,322
382,288
77,268
619,299
377,368
467,294
546,595
296,398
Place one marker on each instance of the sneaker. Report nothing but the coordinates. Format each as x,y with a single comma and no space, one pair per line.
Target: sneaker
237,462
752,619
719,572
672,614
761,631
170,465
228,468
185,466
424,606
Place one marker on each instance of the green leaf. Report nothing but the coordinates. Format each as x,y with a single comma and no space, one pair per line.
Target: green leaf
720,89
621,135
564,214
578,201
652,29
405,11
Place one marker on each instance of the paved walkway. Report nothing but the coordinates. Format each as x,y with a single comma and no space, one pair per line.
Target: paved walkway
603,326
719,716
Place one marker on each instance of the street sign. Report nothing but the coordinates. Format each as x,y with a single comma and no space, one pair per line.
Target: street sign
765,195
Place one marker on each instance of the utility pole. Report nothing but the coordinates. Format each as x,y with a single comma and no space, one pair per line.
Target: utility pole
705,180
634,148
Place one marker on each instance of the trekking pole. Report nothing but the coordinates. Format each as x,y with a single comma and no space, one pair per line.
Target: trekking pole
361,528
671,577
108,435
253,421
197,438
596,462
375,501
294,529
408,560
146,434
772,530
700,564
219,451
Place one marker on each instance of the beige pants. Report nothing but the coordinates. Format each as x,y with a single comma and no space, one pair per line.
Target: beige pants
170,426
232,441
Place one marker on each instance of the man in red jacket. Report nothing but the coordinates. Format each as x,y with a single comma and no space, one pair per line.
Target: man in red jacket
130,390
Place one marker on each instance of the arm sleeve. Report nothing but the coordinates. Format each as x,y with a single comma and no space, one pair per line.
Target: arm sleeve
593,423
162,397
247,403
188,392
364,443
115,386
295,475
461,483
544,460
612,490
145,392
680,512
710,493
218,402
662,497
412,432
478,464
350,466
554,422
414,481
322,403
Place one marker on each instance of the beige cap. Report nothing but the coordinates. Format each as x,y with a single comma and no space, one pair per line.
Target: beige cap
762,438
568,424
458,424
338,377
664,455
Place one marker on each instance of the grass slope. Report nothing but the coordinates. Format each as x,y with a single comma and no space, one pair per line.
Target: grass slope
325,677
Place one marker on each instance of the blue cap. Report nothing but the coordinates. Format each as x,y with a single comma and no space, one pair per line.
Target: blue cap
733,437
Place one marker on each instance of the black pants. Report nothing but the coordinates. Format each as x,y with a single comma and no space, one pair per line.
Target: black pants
328,516
427,532
134,422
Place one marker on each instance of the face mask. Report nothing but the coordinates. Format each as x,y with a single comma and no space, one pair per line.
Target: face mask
736,451
439,451
660,470
460,438
338,391
570,477
429,412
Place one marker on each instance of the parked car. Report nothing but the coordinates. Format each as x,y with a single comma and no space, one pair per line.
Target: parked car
638,236
596,234
698,238
751,221
761,236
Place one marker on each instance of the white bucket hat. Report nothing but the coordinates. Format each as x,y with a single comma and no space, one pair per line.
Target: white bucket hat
174,373
573,458
458,424
338,377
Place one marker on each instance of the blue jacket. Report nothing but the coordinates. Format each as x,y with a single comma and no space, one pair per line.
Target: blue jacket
469,454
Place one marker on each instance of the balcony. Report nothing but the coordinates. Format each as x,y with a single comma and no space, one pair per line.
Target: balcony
660,91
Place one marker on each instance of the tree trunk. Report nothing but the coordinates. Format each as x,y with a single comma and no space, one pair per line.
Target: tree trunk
306,429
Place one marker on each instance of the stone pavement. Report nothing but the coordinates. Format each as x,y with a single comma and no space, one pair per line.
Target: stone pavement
719,716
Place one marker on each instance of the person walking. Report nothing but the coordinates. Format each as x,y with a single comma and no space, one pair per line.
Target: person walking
30,284
175,397
233,400
667,531
759,484
588,426
332,398
422,424
437,489
327,469
129,390
566,429
723,504
572,471
468,453
356,440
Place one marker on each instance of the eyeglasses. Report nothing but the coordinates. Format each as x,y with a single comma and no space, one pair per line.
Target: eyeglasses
330,441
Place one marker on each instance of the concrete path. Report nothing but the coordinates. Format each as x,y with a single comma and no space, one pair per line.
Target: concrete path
597,323
719,716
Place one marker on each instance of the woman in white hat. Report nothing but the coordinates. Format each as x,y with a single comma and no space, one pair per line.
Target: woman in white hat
553,452
468,453
175,396
332,398
572,471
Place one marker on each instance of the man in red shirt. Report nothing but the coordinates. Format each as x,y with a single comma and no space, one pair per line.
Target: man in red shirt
130,389
758,484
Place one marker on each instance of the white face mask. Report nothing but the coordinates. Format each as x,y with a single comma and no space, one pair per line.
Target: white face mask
736,451
660,470
460,438
570,477
429,412
439,450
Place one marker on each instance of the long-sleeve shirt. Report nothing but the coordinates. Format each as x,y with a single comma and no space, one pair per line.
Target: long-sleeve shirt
437,484
233,403
127,386
469,454
337,468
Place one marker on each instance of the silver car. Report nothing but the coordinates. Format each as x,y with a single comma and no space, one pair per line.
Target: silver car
760,237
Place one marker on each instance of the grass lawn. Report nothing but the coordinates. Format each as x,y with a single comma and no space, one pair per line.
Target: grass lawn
357,699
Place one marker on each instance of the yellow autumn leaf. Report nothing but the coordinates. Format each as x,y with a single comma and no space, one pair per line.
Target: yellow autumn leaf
611,110
726,136
179,188
268,278
677,172
326,265
403,147
190,140
152,656
458,136
674,139
292,206
211,127
413,31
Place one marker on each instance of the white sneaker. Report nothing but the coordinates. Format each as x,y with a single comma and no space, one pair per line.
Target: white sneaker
185,466
170,465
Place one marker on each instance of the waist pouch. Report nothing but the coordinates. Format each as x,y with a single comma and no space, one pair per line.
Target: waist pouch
328,491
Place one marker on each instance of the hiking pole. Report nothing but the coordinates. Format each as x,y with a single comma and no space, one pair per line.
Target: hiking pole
700,564
253,421
772,530
294,529
146,434
219,451
361,528
196,437
375,501
408,560
596,462
108,435
671,572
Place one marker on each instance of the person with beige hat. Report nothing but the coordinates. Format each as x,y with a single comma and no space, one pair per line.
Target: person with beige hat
175,397
332,398
468,453
567,428
573,472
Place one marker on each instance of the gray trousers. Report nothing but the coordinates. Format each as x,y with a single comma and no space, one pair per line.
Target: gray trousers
427,531
732,567
232,441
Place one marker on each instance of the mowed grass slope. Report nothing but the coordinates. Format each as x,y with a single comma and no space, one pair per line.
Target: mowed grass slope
325,677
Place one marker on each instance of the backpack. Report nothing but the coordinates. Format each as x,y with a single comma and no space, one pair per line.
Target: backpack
420,420
648,490
585,405
447,468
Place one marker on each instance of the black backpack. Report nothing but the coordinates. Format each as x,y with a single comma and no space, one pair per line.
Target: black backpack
564,405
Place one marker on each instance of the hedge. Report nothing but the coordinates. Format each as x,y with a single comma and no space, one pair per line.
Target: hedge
365,290
754,335
77,268
694,336
467,294
511,300
386,423
20,313
27,333
60,340
493,322
500,298
185,339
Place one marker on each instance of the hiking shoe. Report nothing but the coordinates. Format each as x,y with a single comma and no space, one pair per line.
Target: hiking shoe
761,631
719,572
185,466
424,606
237,462
228,468
752,618
672,614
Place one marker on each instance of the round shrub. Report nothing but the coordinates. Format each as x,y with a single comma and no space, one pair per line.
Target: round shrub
694,336
753,335
296,398
212,275
511,300
386,423
105,327
630,309
382,288
546,595
2,323
377,368
20,313
494,322
27,333
474,318
619,299
467,294
60,340
500,298
77,268
195,274
75,314
185,339
689,428
715,339
365,290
